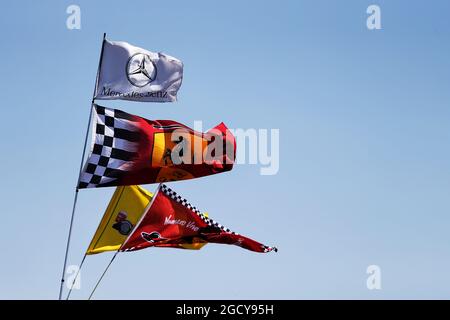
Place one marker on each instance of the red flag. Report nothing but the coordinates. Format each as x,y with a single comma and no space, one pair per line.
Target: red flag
130,150
170,220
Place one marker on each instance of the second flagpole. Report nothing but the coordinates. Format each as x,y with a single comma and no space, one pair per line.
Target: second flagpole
147,208
79,173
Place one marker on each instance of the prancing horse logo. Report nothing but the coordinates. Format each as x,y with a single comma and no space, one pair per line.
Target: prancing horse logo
141,70
151,236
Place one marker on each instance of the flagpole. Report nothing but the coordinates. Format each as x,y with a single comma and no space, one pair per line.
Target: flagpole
79,173
126,240
103,274
76,276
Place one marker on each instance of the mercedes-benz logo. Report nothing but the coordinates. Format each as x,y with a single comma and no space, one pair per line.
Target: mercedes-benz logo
141,70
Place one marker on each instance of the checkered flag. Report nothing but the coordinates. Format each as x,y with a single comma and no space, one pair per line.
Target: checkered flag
131,150
114,147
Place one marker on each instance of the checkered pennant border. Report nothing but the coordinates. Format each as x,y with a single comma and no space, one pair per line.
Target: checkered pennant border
268,249
210,222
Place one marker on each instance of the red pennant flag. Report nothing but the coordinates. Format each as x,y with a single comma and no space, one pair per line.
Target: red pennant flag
130,150
170,220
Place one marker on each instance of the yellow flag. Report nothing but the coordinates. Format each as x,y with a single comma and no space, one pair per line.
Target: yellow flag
123,212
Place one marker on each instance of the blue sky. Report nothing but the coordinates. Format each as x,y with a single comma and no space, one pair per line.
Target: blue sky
364,146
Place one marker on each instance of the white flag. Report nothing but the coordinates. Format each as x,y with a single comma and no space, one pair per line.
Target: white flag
132,73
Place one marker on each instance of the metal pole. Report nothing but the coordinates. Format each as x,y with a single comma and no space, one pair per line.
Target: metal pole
81,167
126,240
103,274
76,276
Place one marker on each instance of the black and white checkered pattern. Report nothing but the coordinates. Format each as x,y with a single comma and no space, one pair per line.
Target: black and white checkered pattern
116,138
268,249
210,222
